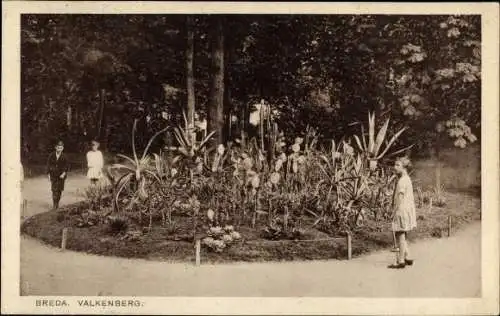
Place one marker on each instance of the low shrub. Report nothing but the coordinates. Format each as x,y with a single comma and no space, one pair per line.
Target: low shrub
117,225
89,218
278,230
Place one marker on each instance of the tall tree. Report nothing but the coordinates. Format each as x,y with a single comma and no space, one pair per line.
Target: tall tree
216,103
190,77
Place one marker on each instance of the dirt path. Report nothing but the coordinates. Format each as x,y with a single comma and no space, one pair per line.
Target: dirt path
447,267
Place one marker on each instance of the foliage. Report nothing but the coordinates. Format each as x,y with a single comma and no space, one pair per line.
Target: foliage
300,161
433,197
188,147
437,196
66,60
408,66
117,224
220,238
88,218
238,186
277,231
372,148
441,82
95,194
138,171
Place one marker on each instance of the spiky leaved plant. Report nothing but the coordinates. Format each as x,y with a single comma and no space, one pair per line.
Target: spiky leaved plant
137,169
372,148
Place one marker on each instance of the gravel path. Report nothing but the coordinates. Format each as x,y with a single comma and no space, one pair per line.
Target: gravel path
448,267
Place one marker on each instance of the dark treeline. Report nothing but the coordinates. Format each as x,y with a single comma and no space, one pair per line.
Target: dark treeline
90,76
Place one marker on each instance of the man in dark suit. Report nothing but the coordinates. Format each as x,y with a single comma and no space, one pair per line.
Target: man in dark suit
57,168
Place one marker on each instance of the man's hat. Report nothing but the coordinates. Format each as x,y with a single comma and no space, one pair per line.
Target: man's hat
60,143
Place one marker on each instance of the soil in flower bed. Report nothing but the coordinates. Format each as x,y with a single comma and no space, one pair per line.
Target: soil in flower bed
175,243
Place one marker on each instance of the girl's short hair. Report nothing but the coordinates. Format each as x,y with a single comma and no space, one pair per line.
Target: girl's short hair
405,162
94,142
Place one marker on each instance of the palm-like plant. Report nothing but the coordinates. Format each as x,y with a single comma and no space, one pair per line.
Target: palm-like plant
372,148
341,164
188,146
138,169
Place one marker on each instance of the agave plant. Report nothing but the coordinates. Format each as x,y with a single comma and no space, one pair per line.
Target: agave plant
372,148
188,146
137,170
340,164
380,191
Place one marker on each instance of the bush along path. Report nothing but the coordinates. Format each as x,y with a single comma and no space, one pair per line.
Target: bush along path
448,267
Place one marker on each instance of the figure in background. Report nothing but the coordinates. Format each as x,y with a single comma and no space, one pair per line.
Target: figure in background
404,217
57,168
95,163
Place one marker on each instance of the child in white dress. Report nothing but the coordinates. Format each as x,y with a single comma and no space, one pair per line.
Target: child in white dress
95,163
404,216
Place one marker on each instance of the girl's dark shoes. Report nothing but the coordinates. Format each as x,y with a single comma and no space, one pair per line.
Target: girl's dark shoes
402,265
397,266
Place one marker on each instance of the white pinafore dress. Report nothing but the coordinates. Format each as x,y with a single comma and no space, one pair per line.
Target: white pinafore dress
95,163
405,218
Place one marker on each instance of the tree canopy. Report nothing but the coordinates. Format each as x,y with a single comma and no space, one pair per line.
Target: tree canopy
86,76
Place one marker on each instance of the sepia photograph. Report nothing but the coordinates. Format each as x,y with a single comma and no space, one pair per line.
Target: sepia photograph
224,154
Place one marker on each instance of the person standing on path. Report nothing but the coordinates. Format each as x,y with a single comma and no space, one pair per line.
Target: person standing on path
95,163
404,212
57,168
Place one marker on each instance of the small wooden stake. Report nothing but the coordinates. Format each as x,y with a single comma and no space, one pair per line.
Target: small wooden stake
349,246
64,238
197,253
449,226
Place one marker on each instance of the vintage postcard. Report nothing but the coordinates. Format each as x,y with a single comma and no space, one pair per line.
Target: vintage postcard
250,158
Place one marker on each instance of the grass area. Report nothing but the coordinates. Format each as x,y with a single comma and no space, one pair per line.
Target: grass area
175,243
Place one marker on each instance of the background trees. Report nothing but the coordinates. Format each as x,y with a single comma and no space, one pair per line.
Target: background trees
86,76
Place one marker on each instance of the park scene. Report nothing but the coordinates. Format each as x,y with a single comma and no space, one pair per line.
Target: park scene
245,150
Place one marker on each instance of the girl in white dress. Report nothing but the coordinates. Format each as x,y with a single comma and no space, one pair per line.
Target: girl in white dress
95,163
404,216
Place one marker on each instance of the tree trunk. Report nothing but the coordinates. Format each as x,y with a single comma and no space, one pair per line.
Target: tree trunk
190,78
216,105
438,170
261,127
437,164
69,117
228,102
244,122
228,109
76,118
102,95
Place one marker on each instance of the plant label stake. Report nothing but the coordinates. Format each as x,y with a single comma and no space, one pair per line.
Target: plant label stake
64,238
197,251
349,246
395,248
